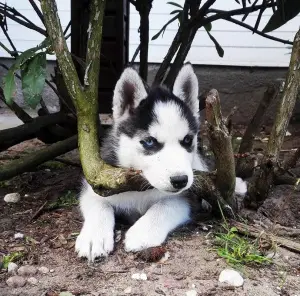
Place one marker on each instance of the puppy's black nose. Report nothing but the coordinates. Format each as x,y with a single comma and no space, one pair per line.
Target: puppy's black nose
179,182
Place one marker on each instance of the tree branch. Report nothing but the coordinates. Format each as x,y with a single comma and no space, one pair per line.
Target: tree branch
33,160
26,24
220,141
16,135
264,177
37,10
242,166
20,113
221,14
254,30
59,44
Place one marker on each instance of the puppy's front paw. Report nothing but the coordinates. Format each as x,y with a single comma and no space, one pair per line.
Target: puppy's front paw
139,238
240,186
94,242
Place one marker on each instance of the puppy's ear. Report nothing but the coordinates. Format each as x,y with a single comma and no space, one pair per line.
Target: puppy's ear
186,87
128,93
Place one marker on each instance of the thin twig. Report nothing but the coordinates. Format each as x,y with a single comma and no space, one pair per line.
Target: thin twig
10,42
37,10
232,20
67,28
23,23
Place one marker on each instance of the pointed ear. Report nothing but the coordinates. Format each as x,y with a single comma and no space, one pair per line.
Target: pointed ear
186,87
128,93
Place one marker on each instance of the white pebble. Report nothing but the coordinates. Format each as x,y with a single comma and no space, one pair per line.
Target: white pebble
27,270
191,293
52,270
32,281
19,235
12,197
43,269
128,290
231,277
12,267
16,281
139,276
165,257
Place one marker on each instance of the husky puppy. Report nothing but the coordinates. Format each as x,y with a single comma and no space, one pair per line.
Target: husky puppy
155,132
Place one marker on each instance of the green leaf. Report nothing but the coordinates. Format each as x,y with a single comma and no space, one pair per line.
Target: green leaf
219,48
33,79
9,79
29,53
287,11
162,30
175,4
176,11
9,85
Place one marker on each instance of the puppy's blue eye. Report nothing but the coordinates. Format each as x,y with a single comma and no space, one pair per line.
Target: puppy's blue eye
187,140
148,142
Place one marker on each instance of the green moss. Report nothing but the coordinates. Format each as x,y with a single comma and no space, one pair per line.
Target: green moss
12,257
67,200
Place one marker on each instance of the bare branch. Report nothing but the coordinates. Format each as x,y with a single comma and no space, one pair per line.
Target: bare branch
19,18
59,44
37,10
254,30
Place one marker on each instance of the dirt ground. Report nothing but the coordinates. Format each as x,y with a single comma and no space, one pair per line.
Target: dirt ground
49,218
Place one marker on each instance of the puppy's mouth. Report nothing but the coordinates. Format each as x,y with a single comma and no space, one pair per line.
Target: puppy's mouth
172,191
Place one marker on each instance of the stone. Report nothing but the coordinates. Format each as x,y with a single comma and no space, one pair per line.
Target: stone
32,281
139,276
191,293
12,197
231,277
43,269
16,281
12,267
128,290
27,270
19,235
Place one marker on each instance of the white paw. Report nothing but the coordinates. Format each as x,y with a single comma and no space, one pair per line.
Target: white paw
94,242
240,186
139,238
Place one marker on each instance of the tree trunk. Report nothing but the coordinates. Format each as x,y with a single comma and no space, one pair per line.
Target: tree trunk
244,166
264,176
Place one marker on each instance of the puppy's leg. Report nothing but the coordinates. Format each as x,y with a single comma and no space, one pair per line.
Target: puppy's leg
240,186
152,229
97,234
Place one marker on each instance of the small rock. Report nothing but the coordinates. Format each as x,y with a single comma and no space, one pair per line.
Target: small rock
204,228
287,134
128,290
32,281
43,269
165,257
273,255
16,281
27,270
139,276
231,277
191,293
12,267
51,270
12,197
19,235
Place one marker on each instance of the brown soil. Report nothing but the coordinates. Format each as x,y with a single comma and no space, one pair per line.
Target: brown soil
192,265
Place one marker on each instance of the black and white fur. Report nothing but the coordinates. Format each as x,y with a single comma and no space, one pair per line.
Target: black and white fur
156,133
